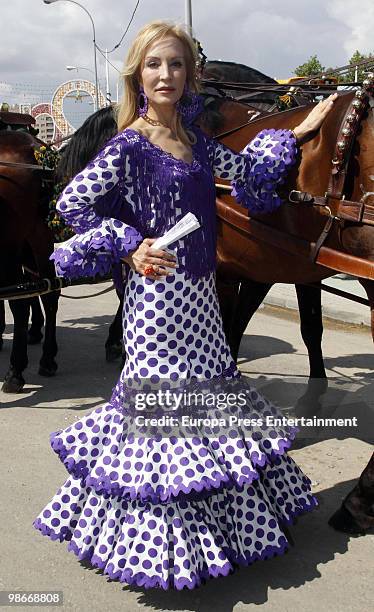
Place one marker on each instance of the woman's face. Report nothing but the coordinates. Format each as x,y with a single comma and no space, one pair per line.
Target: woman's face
163,72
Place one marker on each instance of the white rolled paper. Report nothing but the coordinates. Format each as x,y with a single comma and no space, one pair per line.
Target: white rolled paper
185,226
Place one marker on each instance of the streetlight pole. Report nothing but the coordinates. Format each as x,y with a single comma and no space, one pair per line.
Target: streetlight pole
94,43
188,15
107,95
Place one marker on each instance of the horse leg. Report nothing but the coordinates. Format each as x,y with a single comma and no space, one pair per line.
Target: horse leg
2,322
35,333
14,381
41,247
368,285
48,365
251,295
113,344
356,514
238,304
309,299
227,294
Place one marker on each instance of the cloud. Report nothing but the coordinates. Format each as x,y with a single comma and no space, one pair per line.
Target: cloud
39,40
359,21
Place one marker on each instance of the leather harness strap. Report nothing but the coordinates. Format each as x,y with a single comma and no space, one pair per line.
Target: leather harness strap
355,212
322,237
238,218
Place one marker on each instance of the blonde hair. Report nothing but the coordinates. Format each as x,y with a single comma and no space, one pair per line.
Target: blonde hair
127,109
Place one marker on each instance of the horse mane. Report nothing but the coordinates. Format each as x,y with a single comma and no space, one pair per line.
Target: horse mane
218,71
85,143
233,72
211,118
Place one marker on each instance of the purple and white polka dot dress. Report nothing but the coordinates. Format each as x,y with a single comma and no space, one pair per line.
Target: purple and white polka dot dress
162,510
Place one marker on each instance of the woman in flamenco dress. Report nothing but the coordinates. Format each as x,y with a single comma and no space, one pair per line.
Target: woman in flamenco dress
158,509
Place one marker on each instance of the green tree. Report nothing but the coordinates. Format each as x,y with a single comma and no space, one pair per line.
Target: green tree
310,68
356,58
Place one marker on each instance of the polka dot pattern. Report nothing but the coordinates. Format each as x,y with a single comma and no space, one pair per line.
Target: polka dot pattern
171,511
161,510
178,333
173,545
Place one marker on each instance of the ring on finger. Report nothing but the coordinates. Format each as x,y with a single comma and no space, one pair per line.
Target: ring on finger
149,270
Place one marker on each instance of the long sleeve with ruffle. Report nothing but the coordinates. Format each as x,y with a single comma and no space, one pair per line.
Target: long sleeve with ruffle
258,169
88,206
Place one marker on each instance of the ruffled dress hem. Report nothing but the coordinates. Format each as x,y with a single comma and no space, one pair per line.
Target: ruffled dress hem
141,579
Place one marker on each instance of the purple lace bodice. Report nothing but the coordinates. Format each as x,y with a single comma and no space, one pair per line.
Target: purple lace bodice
133,189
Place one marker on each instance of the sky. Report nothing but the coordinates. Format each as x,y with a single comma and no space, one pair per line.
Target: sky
38,41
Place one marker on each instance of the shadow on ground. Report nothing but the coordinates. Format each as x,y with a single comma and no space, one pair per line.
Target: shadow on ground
82,369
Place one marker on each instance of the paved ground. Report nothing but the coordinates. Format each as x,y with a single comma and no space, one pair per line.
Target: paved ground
337,308
325,570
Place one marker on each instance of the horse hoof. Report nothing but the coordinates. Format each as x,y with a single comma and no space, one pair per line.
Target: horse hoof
48,370
34,337
13,382
342,520
113,351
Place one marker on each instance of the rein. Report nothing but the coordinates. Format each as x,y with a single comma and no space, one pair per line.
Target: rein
43,286
25,166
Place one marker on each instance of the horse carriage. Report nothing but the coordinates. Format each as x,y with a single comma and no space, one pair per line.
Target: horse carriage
325,225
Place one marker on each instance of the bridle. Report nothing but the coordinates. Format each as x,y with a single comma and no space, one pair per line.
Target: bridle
334,198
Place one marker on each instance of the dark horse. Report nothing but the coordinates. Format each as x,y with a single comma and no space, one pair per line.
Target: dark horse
222,72
356,514
25,242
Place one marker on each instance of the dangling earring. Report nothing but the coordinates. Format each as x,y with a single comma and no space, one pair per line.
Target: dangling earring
142,102
189,106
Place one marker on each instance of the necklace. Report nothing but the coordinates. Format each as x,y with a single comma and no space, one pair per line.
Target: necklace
154,121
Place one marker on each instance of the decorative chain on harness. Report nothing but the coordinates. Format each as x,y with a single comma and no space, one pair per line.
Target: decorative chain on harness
350,125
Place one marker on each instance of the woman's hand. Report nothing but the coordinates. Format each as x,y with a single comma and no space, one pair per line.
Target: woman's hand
144,256
315,118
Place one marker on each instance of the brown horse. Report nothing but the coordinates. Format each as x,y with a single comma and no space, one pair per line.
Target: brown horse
266,249
25,241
